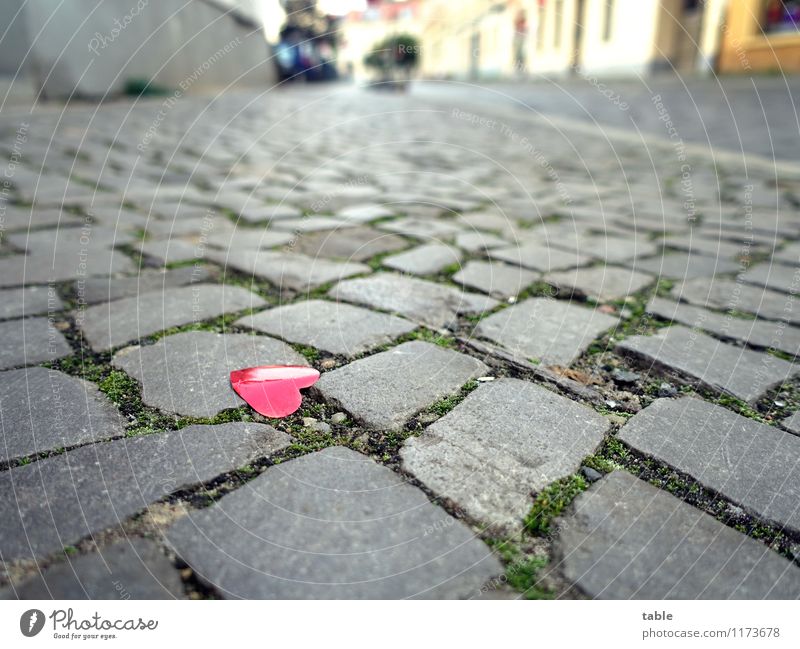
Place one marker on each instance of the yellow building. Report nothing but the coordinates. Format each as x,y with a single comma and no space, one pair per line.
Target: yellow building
488,38
761,35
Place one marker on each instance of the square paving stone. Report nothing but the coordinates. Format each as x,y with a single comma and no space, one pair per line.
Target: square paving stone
43,409
792,423
130,569
312,224
55,502
30,341
236,239
539,257
755,332
729,294
331,327
355,244
172,250
507,439
287,270
625,539
332,525
62,264
387,389
477,241
499,280
426,259
425,302
23,217
608,249
752,464
31,300
105,289
601,283
715,365
685,265
780,277
553,332
435,230
717,248
114,323
364,213
790,254
189,373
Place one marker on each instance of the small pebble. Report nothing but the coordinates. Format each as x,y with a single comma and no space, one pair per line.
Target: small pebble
779,404
321,427
625,377
309,421
328,364
590,474
484,379
339,418
666,390
611,403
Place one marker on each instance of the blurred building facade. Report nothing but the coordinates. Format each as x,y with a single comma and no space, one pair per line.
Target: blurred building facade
761,35
491,38
84,49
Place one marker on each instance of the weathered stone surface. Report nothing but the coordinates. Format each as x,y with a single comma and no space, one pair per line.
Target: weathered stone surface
354,244
173,250
189,373
332,525
287,270
331,327
57,501
625,539
729,294
685,265
432,304
312,224
476,241
61,264
779,277
752,464
436,230
130,569
792,423
387,389
106,289
236,239
44,409
608,249
756,332
600,282
499,280
90,239
539,257
30,341
31,300
364,213
507,439
115,323
551,331
22,217
716,365
426,259
718,248
789,254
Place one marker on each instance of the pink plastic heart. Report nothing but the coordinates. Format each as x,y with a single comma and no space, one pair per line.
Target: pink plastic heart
273,390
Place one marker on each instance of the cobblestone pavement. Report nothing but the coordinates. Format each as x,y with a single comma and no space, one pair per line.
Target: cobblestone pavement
554,363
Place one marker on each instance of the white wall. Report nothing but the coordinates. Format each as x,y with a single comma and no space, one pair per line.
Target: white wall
91,49
633,32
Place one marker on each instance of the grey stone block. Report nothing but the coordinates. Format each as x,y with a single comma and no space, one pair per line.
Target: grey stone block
30,341
507,439
387,389
44,409
499,280
627,540
332,525
752,464
57,501
716,365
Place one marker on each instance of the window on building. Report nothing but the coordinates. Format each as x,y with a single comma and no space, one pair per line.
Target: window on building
608,19
782,16
559,13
